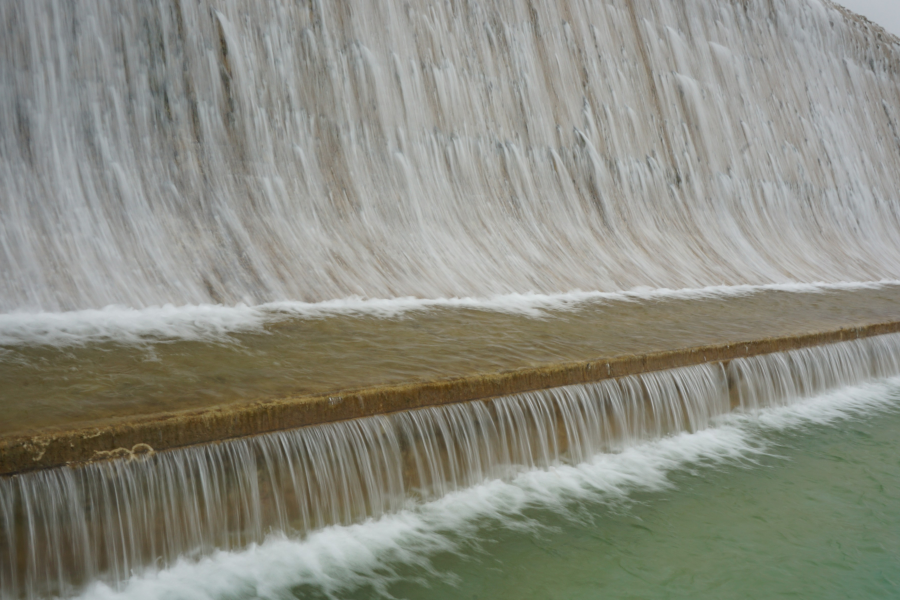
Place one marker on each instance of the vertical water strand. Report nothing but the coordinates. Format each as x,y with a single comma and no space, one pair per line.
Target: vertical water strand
704,394
581,420
8,536
884,356
780,378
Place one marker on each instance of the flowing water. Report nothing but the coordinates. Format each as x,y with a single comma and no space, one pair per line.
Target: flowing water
217,201
224,151
65,528
62,373
801,502
798,501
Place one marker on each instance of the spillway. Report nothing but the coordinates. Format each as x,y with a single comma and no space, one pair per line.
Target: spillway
65,527
192,152
269,268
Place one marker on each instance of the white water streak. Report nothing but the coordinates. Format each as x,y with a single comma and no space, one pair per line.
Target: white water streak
227,151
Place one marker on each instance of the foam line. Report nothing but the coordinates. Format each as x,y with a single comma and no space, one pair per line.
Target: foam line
209,322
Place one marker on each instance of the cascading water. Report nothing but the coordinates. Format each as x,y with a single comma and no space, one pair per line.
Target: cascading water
62,528
186,151
189,152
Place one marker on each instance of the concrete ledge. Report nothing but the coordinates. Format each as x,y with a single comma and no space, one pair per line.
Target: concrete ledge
21,453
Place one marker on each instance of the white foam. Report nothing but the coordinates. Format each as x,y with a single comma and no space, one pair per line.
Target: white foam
207,322
128,325
339,559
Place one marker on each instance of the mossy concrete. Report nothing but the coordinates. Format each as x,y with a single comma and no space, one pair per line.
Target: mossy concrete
147,434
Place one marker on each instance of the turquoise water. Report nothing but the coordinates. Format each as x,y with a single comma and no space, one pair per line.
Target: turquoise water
801,501
818,518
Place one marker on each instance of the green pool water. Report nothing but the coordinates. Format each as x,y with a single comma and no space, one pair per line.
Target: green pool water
816,516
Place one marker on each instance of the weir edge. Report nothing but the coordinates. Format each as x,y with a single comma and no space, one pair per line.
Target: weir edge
152,433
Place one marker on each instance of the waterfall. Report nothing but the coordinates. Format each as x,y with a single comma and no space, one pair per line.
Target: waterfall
160,157
62,528
226,151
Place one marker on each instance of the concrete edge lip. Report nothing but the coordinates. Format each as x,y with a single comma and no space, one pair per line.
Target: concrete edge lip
148,434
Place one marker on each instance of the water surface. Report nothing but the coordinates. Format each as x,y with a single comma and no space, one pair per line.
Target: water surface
66,374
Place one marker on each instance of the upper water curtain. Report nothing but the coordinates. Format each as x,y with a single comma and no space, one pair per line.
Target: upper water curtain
196,151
